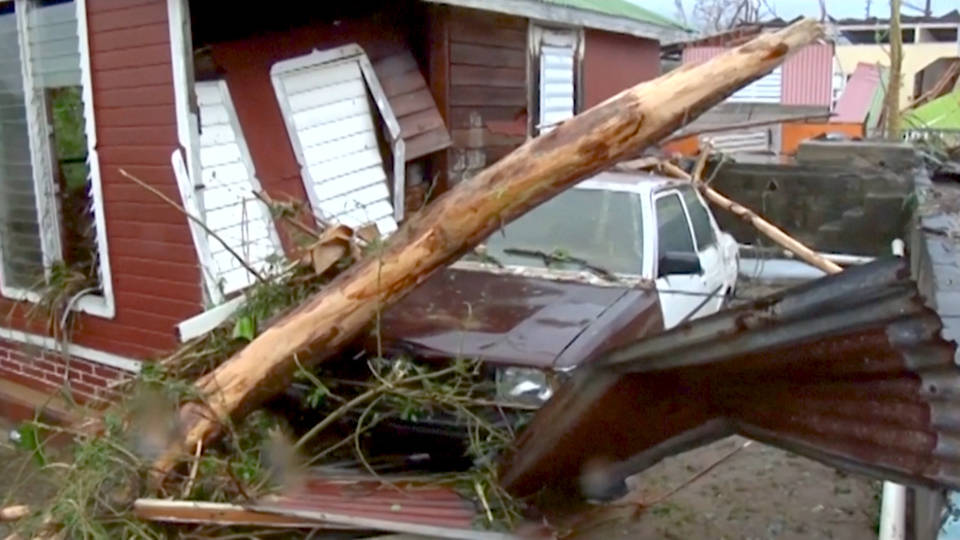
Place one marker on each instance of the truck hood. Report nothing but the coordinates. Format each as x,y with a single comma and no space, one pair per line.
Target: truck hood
516,319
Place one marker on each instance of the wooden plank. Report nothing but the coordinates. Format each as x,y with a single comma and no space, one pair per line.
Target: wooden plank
148,212
487,96
174,290
412,102
470,32
481,55
465,117
421,122
123,156
130,17
402,84
122,38
138,56
103,6
138,266
134,97
396,64
137,136
155,115
482,138
149,232
488,76
159,304
427,143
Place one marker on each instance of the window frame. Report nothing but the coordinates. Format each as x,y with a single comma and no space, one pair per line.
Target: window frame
535,35
710,223
101,304
656,221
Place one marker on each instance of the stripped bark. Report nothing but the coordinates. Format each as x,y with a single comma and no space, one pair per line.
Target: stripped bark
463,217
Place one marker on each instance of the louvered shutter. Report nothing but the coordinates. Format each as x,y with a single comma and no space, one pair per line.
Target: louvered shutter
330,121
20,241
225,197
558,51
766,89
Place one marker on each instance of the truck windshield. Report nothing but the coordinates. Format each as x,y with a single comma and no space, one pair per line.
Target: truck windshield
601,228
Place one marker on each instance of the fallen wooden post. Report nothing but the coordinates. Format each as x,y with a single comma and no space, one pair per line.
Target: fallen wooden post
463,217
770,230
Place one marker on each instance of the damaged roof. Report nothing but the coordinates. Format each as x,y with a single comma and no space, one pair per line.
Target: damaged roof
618,16
850,370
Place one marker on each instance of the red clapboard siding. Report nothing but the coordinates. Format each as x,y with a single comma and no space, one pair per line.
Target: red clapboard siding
131,77
487,85
156,277
111,40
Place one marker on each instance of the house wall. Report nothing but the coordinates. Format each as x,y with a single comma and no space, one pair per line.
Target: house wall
487,91
806,76
156,279
614,62
916,56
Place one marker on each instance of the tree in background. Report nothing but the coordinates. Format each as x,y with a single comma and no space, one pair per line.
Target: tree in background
712,16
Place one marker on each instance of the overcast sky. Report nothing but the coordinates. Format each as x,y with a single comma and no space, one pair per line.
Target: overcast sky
789,9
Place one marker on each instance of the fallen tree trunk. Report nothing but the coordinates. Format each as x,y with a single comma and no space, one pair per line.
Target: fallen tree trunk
770,230
463,217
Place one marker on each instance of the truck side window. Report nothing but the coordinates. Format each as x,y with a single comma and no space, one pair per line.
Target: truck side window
672,227
700,220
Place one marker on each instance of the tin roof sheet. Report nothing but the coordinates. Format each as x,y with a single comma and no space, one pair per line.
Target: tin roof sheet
850,369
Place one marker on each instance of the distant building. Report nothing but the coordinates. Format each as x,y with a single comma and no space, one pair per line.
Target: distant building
925,40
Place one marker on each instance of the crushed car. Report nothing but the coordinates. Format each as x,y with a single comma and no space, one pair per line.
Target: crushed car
620,256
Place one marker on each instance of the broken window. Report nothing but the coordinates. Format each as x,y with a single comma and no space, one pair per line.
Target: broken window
557,52
49,211
334,108
225,199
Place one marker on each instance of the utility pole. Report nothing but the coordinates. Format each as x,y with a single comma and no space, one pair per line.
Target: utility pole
892,104
926,9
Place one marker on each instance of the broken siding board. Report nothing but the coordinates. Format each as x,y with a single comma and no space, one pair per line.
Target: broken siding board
335,136
412,104
225,196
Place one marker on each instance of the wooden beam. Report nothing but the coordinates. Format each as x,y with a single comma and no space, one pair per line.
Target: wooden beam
463,217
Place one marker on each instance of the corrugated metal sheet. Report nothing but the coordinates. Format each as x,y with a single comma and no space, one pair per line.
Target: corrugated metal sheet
226,199
807,76
850,370
767,89
854,103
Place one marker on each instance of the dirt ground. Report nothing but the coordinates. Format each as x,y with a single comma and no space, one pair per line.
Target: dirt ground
758,492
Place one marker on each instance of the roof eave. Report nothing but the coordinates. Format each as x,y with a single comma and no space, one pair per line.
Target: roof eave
573,17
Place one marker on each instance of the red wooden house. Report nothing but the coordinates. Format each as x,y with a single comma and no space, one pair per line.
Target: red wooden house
351,109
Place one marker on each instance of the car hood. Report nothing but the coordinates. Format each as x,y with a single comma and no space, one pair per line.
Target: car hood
516,319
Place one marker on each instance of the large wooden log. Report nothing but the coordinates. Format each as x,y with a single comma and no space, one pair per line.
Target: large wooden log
464,216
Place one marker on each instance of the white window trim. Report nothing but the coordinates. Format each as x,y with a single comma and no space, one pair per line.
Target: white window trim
103,304
535,34
347,53
79,351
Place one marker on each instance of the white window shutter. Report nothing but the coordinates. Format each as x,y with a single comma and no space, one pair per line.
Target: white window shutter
225,196
766,89
558,52
327,106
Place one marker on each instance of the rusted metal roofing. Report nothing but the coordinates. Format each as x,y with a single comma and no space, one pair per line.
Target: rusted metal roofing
854,103
370,498
850,369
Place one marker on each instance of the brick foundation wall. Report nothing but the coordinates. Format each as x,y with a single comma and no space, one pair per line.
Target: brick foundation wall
44,370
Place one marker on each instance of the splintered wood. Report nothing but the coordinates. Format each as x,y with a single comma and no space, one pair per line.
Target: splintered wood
463,217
